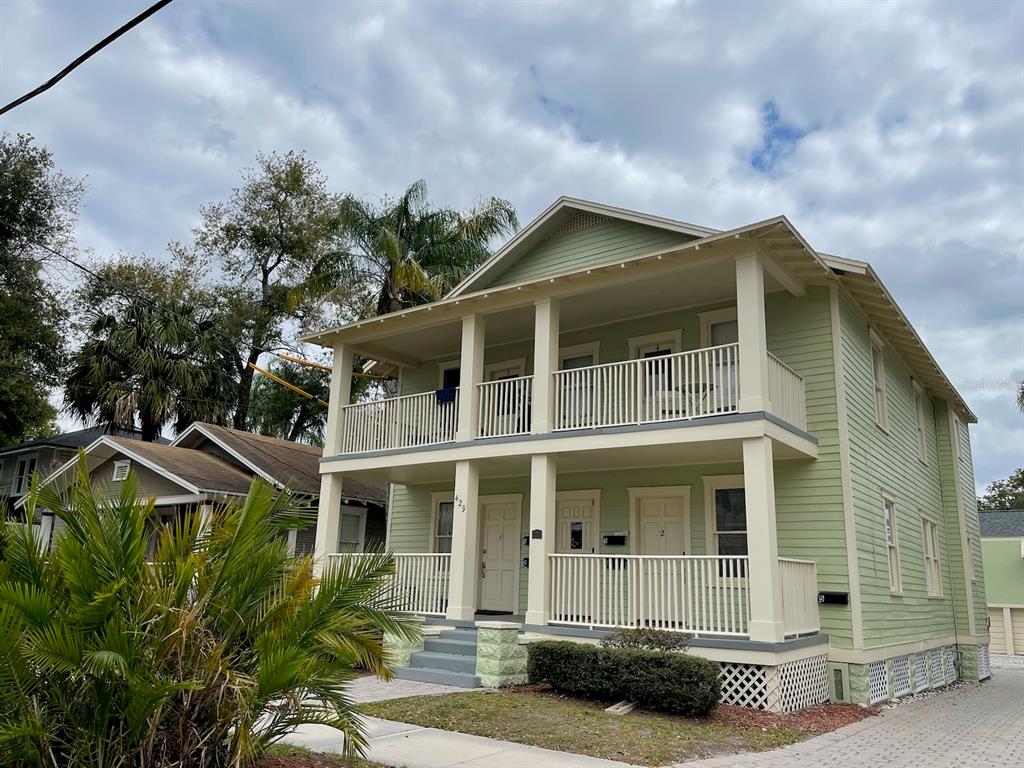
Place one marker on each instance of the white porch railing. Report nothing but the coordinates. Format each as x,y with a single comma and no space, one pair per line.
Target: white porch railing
786,392
687,385
420,583
799,596
707,594
505,407
399,422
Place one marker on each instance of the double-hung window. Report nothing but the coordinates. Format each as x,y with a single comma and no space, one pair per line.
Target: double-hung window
729,527
352,531
878,379
23,475
444,512
892,545
932,570
919,414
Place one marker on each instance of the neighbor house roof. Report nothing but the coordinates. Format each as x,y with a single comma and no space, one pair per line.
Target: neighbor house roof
1001,523
78,439
281,462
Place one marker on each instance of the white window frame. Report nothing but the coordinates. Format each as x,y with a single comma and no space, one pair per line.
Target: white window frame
518,363
21,488
121,469
932,560
707,319
360,512
672,338
878,382
711,484
919,416
578,350
891,531
447,365
436,499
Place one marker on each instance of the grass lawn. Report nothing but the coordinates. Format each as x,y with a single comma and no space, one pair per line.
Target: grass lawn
287,756
545,719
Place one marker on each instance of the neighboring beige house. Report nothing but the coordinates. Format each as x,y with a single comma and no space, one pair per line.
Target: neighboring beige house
209,464
1002,541
622,420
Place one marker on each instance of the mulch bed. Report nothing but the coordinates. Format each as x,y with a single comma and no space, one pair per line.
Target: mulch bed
820,719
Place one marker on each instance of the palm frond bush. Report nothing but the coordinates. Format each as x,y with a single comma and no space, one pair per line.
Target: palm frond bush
202,657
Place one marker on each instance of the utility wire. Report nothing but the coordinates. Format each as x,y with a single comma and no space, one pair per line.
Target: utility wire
87,55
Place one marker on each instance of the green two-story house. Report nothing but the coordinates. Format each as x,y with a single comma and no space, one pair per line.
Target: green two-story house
622,420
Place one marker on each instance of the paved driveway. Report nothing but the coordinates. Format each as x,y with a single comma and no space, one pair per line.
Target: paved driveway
973,726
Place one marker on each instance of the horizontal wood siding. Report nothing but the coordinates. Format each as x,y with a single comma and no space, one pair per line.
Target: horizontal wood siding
887,461
149,482
809,494
600,244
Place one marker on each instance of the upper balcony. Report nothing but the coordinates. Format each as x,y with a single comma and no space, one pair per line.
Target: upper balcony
661,388
706,333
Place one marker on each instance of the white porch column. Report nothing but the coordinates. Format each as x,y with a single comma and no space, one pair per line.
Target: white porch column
205,514
545,363
753,341
328,519
464,578
340,394
471,373
293,540
543,473
765,583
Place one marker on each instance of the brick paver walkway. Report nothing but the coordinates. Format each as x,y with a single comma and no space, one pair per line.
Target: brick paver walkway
370,688
973,726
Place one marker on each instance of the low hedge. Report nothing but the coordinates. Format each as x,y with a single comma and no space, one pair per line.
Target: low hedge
655,680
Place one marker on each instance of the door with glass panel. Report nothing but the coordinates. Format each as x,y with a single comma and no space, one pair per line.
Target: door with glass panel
657,382
577,391
725,378
510,410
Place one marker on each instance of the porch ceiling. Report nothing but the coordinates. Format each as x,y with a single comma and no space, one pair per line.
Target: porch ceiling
633,295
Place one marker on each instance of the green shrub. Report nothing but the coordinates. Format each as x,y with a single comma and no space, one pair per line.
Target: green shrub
647,639
200,659
656,680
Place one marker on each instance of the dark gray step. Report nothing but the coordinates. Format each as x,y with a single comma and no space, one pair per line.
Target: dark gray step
447,661
440,676
456,647
463,635
449,622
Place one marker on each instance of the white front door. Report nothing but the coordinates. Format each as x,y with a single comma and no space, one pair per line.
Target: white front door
577,526
662,521
499,554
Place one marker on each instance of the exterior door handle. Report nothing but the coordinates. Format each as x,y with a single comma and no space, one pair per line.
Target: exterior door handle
483,570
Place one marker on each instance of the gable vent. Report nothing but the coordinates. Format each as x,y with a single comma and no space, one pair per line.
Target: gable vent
121,470
578,222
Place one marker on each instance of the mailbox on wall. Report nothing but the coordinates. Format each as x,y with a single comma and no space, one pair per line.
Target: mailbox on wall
615,538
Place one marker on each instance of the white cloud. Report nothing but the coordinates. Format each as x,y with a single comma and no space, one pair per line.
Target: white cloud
912,112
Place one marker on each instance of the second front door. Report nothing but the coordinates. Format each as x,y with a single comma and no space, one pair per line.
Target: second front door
499,553
662,524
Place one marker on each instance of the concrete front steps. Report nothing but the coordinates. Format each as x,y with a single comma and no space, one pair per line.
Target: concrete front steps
448,658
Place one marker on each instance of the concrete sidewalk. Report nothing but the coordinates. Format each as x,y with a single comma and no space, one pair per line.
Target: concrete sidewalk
411,746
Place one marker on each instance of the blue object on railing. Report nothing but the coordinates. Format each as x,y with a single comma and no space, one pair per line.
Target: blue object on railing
446,395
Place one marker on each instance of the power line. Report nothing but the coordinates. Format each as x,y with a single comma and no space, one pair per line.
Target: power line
87,55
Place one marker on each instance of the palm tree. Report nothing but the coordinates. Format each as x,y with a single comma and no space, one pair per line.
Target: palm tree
411,253
154,364
201,658
1020,396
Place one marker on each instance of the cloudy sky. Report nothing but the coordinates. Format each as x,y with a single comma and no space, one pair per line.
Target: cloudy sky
890,132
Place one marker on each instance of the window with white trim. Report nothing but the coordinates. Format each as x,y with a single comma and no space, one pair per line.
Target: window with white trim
578,356
352,529
729,529
23,474
121,470
892,545
444,514
878,381
932,569
919,413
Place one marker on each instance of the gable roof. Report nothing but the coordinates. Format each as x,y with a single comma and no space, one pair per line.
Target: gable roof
549,220
78,439
1001,523
281,462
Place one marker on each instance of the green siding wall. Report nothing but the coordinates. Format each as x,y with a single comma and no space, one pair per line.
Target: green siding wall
600,244
1004,571
887,461
809,494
